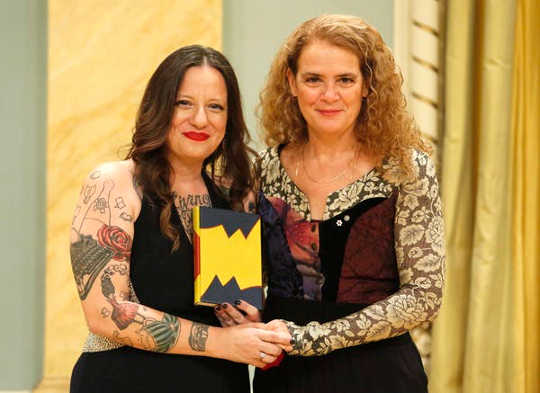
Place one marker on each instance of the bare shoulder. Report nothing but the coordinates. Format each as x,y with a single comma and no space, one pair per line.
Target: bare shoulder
110,189
122,173
113,170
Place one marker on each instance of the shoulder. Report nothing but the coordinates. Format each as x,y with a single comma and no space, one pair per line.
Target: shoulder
421,165
122,173
270,164
118,177
268,154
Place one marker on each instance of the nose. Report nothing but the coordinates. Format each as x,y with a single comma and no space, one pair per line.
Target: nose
330,93
199,118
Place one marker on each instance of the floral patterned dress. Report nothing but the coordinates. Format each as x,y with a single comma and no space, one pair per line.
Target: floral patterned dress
353,284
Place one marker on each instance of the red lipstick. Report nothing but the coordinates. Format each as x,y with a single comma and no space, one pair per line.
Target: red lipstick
196,136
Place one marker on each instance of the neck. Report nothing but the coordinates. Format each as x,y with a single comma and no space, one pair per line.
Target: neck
184,171
328,147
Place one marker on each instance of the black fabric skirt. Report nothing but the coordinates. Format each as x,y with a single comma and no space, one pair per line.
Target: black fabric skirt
387,366
131,370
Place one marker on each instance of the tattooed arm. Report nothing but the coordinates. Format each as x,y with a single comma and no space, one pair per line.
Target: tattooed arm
101,240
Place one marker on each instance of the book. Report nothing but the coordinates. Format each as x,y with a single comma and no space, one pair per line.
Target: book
227,257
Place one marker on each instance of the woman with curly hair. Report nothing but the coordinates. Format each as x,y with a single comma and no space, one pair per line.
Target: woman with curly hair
131,249
352,216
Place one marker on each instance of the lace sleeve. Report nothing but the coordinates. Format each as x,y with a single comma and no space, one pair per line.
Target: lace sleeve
419,244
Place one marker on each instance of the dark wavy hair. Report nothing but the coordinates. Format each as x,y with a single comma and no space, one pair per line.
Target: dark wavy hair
229,164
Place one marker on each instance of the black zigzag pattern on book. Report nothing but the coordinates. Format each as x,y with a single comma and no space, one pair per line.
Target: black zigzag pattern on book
231,221
218,293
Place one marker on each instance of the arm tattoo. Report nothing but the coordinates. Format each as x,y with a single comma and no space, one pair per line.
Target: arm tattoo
184,206
87,260
198,336
88,192
160,335
126,217
120,204
106,253
165,333
89,255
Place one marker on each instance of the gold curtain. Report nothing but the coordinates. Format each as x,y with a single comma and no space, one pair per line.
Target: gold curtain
526,189
482,333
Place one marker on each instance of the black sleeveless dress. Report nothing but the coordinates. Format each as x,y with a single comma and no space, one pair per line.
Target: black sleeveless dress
163,281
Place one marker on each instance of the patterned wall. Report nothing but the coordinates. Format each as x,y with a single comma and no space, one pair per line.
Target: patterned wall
101,54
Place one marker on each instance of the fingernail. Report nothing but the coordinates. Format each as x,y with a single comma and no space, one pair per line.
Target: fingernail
224,305
218,308
237,302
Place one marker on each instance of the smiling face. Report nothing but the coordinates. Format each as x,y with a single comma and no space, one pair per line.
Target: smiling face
329,88
200,116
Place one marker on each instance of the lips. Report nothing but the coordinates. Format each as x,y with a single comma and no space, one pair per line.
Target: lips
196,136
328,112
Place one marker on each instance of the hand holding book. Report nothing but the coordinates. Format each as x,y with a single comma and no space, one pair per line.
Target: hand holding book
241,313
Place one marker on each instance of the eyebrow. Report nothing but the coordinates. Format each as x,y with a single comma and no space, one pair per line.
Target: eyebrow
184,96
348,74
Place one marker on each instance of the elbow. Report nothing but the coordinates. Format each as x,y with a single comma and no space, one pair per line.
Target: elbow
433,306
96,325
435,311
433,314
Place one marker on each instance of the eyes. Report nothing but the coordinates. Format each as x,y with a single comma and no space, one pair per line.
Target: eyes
315,80
184,103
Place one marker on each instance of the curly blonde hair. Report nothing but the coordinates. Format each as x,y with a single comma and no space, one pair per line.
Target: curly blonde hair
384,127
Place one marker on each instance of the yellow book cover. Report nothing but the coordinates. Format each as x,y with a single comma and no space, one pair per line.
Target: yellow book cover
227,257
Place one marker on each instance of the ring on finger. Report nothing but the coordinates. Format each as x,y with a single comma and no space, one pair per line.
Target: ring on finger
262,355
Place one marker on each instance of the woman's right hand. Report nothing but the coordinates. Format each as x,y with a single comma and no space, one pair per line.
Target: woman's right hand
251,344
242,312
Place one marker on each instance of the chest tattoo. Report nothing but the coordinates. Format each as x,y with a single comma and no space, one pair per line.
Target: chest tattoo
184,205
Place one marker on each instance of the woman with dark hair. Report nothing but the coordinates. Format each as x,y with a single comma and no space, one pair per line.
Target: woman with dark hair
352,216
131,249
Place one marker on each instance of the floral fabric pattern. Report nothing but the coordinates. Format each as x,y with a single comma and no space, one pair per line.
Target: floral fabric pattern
280,269
303,241
277,183
419,249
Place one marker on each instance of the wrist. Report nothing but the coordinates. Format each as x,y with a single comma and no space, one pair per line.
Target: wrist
297,333
216,339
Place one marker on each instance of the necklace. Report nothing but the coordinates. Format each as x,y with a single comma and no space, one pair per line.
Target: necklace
331,180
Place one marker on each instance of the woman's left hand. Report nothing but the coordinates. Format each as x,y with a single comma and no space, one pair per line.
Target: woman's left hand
279,326
242,312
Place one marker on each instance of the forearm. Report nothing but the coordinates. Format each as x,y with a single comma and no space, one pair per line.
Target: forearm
393,316
135,325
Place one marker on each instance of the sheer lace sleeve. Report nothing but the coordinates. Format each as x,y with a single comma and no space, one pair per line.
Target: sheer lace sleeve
419,244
